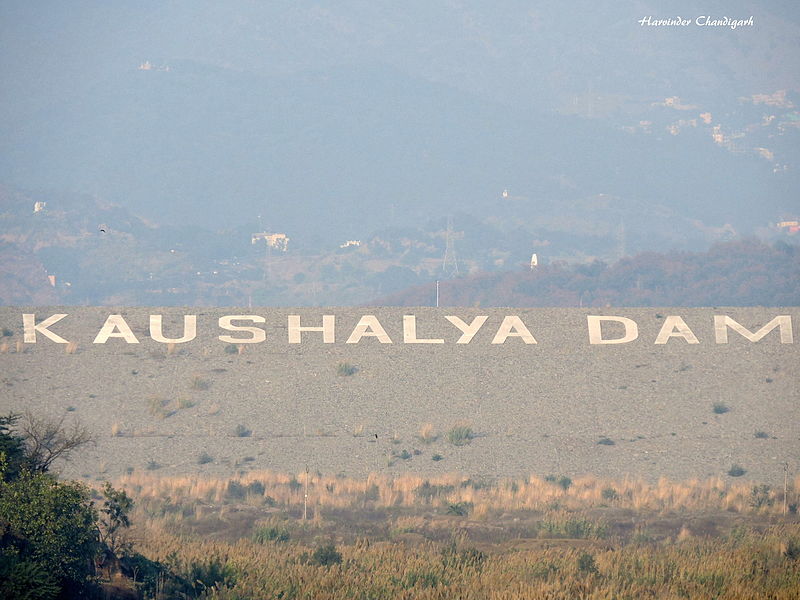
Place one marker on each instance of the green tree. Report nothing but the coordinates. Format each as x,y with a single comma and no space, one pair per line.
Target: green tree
114,519
12,448
50,527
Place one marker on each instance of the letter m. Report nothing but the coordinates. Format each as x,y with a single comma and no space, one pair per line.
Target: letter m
783,322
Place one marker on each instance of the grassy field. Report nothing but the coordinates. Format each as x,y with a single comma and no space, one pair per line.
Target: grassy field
453,537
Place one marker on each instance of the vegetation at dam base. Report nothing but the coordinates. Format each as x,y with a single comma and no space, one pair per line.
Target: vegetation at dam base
272,535
180,552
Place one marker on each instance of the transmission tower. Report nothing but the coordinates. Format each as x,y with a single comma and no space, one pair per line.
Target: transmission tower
449,263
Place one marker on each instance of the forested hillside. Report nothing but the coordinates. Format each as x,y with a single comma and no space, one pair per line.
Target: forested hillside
740,273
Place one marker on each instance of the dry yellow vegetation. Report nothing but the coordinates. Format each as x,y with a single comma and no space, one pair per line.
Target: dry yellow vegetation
453,537
750,565
531,493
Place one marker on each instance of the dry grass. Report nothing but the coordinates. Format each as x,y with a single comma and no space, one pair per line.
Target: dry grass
427,433
71,348
751,565
157,407
532,493
390,550
198,383
184,403
116,430
358,430
460,434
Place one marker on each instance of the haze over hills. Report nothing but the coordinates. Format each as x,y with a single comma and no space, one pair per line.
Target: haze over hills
329,122
75,249
573,133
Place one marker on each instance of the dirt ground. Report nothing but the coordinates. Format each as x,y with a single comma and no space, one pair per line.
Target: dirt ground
560,406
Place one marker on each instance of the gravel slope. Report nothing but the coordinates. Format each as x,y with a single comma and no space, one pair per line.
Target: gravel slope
534,408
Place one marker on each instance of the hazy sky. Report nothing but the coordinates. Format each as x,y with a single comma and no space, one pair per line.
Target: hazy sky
361,107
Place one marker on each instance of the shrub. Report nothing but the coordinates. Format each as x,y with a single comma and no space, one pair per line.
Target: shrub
204,458
437,457
720,408
198,383
761,435
346,369
156,406
256,488
573,528
272,533
184,403
586,563
453,558
325,556
459,509
207,575
609,494
564,482
242,431
152,465
151,576
791,550
760,497
604,441
235,490
736,471
427,491
421,579
460,435
231,349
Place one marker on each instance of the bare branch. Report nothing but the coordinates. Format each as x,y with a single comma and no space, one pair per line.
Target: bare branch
49,439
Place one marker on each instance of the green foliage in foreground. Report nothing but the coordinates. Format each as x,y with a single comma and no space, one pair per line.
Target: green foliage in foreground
50,532
50,537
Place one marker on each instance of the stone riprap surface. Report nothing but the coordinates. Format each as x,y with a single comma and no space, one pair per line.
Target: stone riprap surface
534,408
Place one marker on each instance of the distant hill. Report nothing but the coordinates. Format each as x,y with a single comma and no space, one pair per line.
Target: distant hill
740,273
76,249
329,122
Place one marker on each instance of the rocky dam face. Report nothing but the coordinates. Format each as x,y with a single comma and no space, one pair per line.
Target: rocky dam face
491,393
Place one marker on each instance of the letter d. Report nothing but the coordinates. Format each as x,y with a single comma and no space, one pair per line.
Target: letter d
596,331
